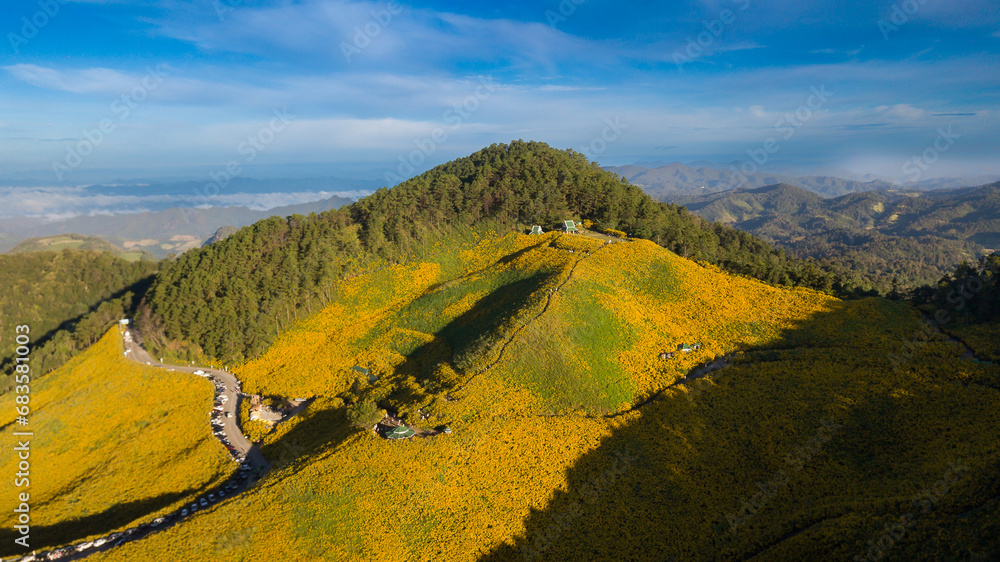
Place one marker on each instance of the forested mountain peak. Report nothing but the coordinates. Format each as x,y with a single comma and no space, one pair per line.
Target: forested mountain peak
232,298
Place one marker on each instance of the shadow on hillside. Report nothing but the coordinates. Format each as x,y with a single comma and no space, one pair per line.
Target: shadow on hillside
104,523
321,430
695,477
479,332
138,289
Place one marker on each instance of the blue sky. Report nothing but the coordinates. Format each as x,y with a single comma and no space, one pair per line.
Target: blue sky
335,87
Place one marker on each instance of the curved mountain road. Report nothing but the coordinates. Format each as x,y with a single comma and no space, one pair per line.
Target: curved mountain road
230,427
252,458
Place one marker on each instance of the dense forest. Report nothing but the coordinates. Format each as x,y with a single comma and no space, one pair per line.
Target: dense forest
969,295
231,298
68,299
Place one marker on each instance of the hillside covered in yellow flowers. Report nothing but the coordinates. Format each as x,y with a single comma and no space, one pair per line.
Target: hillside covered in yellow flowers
112,443
571,439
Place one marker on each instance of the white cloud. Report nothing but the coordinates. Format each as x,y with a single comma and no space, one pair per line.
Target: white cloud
62,203
903,111
85,81
561,88
412,39
848,52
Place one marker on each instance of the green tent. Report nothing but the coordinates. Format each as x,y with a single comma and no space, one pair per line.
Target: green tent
570,226
371,378
401,432
536,229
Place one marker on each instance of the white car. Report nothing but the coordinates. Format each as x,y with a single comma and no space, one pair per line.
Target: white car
200,373
100,542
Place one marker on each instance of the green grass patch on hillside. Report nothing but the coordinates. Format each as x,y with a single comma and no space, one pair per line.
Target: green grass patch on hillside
567,357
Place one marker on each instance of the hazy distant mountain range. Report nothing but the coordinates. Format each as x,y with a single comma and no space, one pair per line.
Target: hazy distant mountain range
160,233
915,236
678,183
172,223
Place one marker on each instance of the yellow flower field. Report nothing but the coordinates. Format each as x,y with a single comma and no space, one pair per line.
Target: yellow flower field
115,443
569,439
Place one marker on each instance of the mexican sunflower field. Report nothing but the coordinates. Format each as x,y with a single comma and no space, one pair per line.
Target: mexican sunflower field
571,439
114,443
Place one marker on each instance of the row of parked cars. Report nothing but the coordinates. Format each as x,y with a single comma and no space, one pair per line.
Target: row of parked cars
227,489
224,491
116,539
219,416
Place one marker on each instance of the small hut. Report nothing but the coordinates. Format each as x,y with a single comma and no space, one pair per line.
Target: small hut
400,432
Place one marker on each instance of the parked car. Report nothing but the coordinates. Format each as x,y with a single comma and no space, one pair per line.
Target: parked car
200,373
212,498
184,512
203,502
100,542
